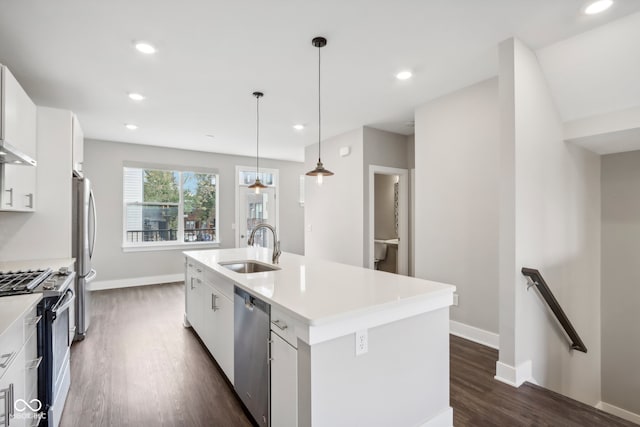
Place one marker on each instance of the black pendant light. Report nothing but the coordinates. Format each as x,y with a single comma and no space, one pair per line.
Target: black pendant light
319,171
257,185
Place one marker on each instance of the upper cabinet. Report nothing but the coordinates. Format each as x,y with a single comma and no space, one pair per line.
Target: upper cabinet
17,145
17,121
78,144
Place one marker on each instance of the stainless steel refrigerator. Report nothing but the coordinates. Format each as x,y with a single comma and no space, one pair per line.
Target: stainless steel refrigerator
83,244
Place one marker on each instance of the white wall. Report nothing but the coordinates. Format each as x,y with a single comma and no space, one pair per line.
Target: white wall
333,212
103,165
46,233
620,278
456,199
550,220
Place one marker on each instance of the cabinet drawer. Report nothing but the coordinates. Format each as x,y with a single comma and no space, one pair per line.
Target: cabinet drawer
284,325
224,285
31,319
32,361
10,344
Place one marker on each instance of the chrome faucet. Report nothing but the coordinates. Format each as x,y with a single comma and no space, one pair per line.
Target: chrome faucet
276,242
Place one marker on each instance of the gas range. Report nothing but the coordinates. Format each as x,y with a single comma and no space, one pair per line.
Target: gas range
46,281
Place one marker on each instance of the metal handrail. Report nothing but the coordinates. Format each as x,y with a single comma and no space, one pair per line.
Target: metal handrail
538,281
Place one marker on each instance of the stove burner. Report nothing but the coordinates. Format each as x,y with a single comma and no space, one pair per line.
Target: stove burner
21,282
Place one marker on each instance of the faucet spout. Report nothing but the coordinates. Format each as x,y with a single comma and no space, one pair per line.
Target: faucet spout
276,243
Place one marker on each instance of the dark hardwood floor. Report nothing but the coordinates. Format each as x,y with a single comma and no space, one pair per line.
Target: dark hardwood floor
140,367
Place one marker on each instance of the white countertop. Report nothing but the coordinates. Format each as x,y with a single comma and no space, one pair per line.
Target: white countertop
319,292
13,307
54,264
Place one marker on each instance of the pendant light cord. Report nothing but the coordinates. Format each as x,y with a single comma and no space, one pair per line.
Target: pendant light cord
257,135
319,109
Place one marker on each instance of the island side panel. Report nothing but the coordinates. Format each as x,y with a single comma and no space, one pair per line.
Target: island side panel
403,380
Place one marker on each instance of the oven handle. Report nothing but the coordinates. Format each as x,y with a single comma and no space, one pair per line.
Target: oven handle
63,303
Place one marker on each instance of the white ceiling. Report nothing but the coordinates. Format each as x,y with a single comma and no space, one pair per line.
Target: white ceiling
79,55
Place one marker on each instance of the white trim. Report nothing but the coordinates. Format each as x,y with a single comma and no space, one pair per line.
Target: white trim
170,247
135,281
443,419
619,412
514,376
403,229
477,335
276,186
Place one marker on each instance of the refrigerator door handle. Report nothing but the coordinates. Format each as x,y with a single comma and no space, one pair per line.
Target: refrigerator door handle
92,202
92,275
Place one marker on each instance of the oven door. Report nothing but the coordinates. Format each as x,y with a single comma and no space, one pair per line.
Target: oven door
60,350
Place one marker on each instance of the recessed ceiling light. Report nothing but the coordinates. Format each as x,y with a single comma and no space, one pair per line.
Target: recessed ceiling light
2,153
598,6
298,127
145,48
404,75
131,126
136,96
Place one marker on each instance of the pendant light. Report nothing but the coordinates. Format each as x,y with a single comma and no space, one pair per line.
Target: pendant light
319,171
257,185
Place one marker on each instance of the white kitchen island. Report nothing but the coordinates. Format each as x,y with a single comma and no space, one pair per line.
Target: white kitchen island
319,310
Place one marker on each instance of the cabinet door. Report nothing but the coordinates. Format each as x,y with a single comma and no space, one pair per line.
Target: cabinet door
18,116
284,383
210,326
224,334
78,144
12,388
191,301
18,188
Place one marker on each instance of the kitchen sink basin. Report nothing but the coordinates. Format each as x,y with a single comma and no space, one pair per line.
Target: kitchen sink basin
247,267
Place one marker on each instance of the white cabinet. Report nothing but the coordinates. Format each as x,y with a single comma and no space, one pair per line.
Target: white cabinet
18,369
194,291
78,144
218,334
209,310
18,136
284,369
284,383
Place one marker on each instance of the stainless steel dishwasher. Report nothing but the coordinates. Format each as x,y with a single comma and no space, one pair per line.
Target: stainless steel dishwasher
251,354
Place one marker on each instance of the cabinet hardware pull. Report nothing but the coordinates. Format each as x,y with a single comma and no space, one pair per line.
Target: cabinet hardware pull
214,307
10,202
198,270
8,358
34,364
192,283
190,265
30,196
33,320
282,326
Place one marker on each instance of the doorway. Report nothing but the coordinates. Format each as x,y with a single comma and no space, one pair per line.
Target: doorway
388,219
252,208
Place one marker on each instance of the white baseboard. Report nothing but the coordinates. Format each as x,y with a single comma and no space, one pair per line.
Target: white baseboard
619,412
443,419
100,285
514,376
480,336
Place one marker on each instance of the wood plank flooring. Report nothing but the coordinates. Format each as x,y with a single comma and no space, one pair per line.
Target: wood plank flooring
140,367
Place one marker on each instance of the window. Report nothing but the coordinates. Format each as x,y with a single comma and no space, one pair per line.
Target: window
167,207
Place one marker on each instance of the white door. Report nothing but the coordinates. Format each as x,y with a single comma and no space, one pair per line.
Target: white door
255,209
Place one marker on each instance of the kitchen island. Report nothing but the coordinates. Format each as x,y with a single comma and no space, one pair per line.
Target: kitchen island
349,346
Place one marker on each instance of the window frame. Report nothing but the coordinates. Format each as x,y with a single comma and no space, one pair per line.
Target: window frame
170,244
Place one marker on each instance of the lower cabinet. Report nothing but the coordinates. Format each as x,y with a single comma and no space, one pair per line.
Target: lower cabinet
218,331
284,383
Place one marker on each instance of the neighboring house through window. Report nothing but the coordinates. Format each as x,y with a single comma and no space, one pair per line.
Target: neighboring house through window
169,206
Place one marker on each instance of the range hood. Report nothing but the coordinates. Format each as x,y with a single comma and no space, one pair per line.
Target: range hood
10,154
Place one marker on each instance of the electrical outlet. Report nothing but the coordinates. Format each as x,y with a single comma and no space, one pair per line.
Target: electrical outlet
455,299
362,342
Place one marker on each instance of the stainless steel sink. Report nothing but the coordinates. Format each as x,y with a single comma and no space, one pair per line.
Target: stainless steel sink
247,267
